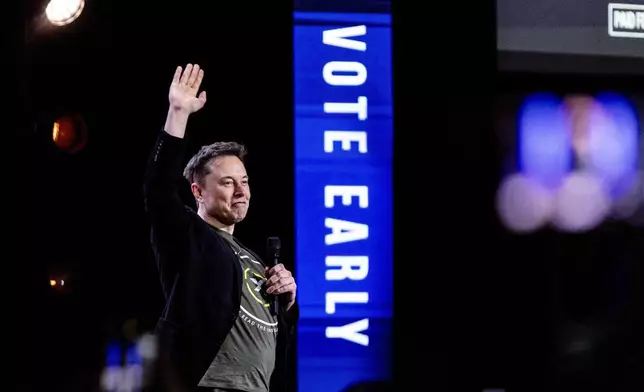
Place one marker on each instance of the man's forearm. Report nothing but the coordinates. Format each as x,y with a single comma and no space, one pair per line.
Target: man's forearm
176,122
292,313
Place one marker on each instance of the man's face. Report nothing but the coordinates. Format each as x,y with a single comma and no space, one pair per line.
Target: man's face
225,194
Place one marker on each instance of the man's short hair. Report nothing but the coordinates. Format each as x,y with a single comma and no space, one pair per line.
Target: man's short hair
199,165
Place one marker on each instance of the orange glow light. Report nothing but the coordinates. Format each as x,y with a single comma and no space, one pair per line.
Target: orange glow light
69,133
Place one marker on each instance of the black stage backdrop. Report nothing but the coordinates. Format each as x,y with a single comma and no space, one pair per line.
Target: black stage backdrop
482,307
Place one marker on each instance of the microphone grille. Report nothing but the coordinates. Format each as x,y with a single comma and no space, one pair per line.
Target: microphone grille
273,243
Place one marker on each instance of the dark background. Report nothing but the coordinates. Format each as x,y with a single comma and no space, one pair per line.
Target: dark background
543,312
564,311
355,6
567,307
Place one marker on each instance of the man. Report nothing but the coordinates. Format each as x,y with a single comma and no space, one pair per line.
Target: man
217,330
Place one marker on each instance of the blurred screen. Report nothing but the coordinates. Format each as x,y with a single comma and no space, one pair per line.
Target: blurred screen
570,204
571,35
571,161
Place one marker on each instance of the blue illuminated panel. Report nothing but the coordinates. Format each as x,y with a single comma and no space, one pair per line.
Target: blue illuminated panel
343,169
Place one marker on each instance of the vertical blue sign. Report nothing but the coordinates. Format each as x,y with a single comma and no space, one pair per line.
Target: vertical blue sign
343,174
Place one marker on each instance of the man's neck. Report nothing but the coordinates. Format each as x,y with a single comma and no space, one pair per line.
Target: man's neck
215,223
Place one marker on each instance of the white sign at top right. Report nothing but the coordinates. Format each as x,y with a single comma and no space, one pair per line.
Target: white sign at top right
626,20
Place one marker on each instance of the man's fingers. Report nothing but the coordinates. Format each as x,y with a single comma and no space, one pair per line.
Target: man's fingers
272,280
197,82
283,274
290,287
186,74
279,280
276,269
194,73
177,75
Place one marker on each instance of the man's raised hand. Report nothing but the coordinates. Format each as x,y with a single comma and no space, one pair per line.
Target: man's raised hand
183,90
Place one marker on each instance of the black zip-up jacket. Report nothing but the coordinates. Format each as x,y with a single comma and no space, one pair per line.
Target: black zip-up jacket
200,276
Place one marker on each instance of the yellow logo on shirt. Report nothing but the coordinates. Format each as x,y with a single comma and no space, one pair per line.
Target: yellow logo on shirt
258,282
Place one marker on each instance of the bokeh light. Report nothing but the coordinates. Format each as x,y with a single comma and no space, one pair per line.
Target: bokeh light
581,203
578,163
69,133
524,205
544,141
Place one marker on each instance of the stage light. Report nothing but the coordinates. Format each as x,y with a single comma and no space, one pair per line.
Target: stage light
523,204
58,284
544,140
69,133
63,12
582,203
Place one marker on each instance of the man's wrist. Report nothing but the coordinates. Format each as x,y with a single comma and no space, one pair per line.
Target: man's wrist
176,122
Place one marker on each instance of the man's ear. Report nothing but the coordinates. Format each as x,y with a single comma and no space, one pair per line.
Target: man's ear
196,191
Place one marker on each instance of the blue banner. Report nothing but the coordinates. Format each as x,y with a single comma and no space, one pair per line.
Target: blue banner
343,174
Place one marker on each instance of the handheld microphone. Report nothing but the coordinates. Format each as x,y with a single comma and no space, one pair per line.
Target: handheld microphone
273,247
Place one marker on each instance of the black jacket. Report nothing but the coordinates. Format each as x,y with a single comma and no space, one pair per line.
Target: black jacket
200,276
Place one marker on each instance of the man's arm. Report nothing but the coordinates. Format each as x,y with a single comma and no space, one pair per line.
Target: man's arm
166,211
292,315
